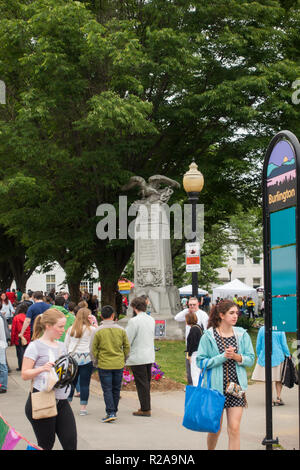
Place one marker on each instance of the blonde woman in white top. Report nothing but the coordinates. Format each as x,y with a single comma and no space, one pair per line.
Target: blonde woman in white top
77,341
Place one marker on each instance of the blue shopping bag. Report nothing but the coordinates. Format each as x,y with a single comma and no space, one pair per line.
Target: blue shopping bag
203,406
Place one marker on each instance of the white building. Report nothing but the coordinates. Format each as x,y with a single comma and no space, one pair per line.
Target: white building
247,270
56,279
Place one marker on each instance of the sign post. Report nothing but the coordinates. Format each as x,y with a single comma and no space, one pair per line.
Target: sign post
192,257
281,192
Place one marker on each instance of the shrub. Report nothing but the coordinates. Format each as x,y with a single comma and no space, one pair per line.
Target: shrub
245,322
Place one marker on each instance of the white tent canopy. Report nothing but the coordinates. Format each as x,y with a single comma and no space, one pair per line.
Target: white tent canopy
188,290
227,291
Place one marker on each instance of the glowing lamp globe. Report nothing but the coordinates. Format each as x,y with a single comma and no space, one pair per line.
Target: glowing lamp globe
193,180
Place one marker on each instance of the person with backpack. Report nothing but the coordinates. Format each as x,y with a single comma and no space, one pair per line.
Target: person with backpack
202,319
193,340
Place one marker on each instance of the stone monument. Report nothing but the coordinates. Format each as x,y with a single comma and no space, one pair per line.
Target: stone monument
153,271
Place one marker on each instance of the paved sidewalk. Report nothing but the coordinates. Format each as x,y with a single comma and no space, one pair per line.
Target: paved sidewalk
163,431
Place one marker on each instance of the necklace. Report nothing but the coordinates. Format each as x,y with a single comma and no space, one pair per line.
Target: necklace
224,335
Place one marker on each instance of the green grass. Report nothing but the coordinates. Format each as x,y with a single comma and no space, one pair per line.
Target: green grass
171,356
171,359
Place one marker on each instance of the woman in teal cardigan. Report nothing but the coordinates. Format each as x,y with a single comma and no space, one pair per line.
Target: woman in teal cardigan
280,351
226,350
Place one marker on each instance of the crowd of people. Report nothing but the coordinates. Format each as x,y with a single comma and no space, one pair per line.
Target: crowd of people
245,303
44,329
47,330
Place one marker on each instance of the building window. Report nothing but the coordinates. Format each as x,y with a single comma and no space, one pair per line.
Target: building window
256,259
87,285
50,282
256,282
242,279
240,257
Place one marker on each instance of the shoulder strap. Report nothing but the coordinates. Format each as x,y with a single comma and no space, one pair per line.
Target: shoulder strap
226,363
200,327
77,344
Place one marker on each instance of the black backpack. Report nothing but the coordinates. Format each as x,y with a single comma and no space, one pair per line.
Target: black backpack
200,327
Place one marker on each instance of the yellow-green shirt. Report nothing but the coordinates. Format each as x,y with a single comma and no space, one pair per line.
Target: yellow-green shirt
110,346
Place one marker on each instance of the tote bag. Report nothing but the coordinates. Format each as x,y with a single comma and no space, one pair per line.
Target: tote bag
203,406
289,375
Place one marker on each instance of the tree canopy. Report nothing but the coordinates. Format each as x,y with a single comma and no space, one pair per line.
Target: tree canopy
100,91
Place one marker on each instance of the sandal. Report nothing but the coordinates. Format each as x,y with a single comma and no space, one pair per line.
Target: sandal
278,402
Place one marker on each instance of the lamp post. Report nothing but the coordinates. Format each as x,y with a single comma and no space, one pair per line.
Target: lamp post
229,272
193,183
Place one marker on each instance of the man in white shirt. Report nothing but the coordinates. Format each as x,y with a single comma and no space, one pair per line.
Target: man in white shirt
193,307
140,331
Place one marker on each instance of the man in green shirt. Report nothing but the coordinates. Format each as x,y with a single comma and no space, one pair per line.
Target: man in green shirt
110,347
59,305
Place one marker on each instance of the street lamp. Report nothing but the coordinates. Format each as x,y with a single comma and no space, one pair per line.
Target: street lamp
193,183
229,272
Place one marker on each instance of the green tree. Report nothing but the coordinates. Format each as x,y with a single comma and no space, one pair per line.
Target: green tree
98,91
13,262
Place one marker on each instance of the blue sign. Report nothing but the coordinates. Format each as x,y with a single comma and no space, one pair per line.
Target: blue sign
281,256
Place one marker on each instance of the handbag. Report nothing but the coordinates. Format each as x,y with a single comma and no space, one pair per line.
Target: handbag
203,406
43,404
233,388
289,375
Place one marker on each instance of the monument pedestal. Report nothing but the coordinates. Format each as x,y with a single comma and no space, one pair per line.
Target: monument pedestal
174,329
153,273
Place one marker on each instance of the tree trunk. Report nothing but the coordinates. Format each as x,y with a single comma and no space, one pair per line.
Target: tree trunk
108,292
21,278
75,270
110,263
6,276
74,291
17,266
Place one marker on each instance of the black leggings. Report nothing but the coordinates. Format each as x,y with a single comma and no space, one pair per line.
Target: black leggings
63,425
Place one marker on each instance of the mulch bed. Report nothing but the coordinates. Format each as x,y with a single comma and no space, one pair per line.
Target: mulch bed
163,385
